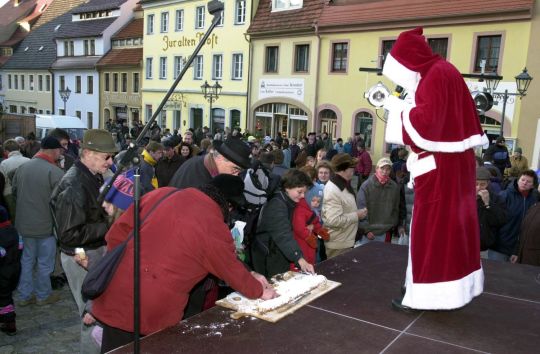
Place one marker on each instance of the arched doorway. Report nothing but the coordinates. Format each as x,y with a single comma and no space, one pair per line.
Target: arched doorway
363,124
328,122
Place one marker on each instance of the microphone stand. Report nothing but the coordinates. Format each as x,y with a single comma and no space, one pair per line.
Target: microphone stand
215,8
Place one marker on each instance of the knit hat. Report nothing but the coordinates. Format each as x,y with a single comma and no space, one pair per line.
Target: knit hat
343,161
232,188
316,191
483,174
121,192
236,151
519,150
49,143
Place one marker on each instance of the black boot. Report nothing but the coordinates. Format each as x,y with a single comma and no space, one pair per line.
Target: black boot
9,328
398,306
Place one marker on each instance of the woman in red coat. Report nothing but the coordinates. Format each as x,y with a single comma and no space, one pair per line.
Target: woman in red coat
179,246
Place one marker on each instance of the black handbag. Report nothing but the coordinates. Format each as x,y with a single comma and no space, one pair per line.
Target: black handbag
100,275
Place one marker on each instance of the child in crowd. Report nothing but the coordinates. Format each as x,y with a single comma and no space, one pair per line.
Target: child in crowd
10,270
307,227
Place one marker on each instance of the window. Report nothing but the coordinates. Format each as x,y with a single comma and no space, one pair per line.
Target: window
149,68
77,84
62,80
283,5
135,82
179,21
69,48
199,17
364,125
386,48
439,46
9,81
240,12
177,118
178,65
163,118
31,82
106,79
198,68
12,108
301,58
163,67
115,82
238,63
23,82
48,83
148,111
40,82
23,110
90,84
86,47
92,47
271,65
150,24
90,119
164,22
217,67
488,49
16,81
339,57
124,82
61,111
78,114
235,118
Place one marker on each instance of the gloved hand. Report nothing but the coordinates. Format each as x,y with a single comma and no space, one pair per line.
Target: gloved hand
324,234
311,240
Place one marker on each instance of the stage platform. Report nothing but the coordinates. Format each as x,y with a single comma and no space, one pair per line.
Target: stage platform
357,317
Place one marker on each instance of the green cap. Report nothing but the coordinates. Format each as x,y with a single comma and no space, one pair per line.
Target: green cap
98,140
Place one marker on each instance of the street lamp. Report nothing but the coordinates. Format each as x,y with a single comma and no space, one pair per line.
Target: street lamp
523,81
211,93
64,95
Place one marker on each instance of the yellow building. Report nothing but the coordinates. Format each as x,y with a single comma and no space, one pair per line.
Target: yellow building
172,30
348,35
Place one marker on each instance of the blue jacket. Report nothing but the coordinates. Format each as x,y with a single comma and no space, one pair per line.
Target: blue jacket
516,207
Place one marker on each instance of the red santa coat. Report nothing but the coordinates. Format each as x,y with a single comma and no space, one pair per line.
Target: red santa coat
302,214
438,121
179,246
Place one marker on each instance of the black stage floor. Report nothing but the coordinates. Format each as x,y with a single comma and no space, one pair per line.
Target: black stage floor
357,316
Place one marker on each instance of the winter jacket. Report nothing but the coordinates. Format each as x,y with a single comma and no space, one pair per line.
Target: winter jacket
529,242
363,167
192,173
33,184
302,214
339,213
9,166
499,156
81,220
166,168
518,165
177,252
382,203
274,247
491,219
516,207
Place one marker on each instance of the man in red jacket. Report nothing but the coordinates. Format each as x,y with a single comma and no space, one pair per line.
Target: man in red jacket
179,247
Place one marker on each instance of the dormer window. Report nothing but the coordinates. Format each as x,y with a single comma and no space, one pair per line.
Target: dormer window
284,5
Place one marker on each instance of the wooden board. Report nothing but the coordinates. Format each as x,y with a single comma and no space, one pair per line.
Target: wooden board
279,313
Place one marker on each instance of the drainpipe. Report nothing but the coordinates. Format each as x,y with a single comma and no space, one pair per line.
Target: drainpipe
249,119
316,100
53,111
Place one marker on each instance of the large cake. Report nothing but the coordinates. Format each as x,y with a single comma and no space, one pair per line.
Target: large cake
290,287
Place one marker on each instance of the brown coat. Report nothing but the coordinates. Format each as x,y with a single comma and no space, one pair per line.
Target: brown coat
529,241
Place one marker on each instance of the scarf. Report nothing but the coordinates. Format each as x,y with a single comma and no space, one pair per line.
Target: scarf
380,177
43,156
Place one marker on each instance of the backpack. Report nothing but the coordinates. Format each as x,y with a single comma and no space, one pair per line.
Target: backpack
256,183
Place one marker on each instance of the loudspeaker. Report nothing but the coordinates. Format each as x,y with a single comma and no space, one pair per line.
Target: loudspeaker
377,95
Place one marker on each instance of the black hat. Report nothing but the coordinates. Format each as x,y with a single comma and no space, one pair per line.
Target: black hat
235,150
49,143
483,174
232,188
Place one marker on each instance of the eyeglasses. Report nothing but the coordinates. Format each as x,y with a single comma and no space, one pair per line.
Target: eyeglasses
108,157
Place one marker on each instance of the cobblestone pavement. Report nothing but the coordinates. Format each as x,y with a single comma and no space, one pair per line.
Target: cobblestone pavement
47,329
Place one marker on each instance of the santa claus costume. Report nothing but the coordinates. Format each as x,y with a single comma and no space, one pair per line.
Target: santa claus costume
438,121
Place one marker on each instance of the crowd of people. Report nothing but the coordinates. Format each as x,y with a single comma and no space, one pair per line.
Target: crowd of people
299,202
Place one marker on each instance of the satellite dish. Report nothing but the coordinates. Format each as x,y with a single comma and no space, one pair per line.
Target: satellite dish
377,95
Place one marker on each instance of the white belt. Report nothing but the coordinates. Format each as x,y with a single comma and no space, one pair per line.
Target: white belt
418,167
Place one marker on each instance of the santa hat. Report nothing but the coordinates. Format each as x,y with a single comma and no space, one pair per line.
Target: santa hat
410,58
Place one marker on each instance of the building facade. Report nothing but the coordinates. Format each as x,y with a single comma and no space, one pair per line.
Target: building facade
172,30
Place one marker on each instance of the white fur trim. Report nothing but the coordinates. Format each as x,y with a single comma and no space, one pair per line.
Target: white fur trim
394,128
441,146
443,295
418,167
400,74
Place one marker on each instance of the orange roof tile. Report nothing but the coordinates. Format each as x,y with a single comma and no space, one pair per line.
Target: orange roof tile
133,29
390,12
122,57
